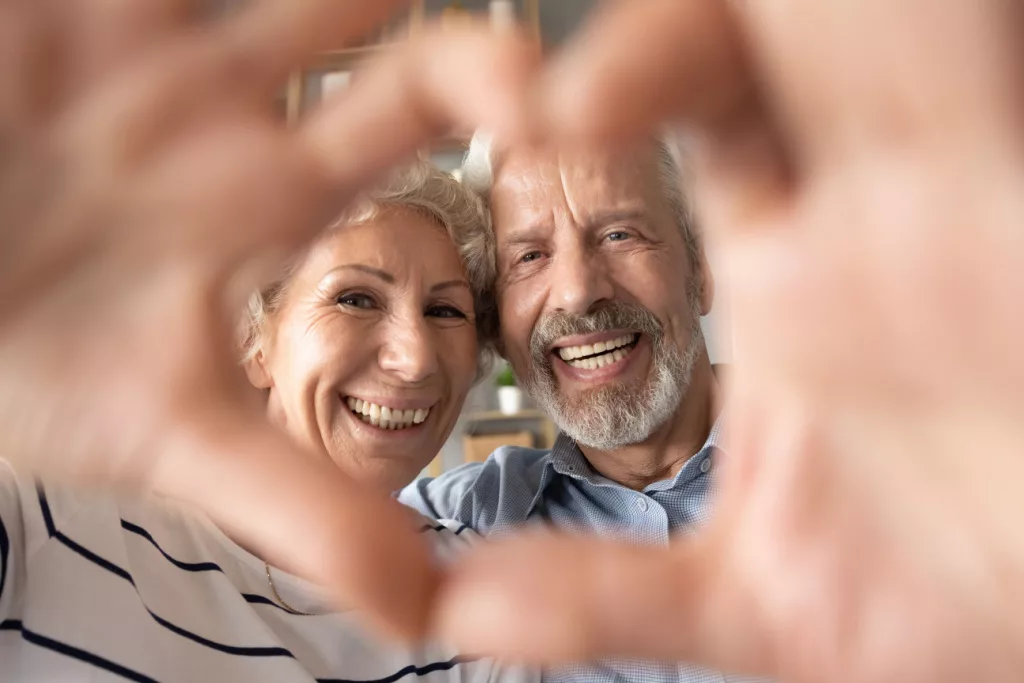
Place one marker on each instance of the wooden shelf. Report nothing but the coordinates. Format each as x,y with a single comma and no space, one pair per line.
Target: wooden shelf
543,428
327,60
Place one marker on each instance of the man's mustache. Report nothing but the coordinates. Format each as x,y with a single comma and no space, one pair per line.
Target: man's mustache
616,315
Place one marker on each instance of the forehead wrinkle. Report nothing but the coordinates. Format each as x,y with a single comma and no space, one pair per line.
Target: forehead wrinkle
527,212
594,184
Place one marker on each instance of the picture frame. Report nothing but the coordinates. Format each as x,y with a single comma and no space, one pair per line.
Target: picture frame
332,71
336,69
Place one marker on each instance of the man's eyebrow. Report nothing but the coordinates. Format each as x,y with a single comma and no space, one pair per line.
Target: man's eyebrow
527,234
602,218
369,270
448,284
530,234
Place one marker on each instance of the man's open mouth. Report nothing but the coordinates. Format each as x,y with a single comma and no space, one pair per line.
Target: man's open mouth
592,357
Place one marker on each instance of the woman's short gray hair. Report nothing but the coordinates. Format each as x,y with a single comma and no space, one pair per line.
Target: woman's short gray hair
479,168
420,187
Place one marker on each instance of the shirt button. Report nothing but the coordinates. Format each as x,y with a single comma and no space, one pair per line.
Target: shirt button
642,504
706,465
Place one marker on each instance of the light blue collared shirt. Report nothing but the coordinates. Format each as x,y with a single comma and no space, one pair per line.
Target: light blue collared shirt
518,486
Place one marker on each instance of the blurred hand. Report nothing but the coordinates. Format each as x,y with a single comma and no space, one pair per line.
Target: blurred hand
140,169
860,171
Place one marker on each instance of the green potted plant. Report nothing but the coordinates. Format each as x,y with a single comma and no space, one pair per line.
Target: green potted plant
510,396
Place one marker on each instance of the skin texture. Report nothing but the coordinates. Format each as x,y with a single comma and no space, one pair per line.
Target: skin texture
579,230
381,311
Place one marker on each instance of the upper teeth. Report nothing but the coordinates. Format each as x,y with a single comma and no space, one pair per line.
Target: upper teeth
385,417
571,352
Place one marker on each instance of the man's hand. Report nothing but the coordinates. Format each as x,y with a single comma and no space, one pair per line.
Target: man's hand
141,169
860,170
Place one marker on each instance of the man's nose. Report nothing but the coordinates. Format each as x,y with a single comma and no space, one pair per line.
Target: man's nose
409,351
579,280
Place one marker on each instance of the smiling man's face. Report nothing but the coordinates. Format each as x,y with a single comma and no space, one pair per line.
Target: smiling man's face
598,301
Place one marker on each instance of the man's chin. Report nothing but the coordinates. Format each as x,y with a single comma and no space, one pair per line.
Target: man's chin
608,393
595,404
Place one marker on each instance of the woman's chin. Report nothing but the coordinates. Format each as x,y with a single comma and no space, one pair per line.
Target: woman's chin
395,456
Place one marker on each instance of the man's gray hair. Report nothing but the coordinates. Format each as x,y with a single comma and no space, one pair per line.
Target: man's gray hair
481,165
420,187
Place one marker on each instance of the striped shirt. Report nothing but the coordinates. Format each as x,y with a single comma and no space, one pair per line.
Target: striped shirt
518,486
95,588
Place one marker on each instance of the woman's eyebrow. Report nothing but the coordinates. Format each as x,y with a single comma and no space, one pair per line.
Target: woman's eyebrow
448,284
369,270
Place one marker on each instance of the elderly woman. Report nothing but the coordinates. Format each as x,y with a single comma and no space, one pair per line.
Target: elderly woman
364,352
366,349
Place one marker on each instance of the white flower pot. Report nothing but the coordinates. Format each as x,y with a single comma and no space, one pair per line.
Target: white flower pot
510,400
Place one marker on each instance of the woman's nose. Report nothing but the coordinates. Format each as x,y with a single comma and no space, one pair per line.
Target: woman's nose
409,351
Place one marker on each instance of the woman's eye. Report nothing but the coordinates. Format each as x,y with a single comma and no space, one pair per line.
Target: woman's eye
445,312
617,236
356,301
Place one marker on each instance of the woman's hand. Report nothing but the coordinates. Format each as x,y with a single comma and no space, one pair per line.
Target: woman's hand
860,171
141,169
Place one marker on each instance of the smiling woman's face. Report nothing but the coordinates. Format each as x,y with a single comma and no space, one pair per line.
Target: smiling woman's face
373,349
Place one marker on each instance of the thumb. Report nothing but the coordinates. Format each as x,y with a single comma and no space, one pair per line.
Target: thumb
549,599
637,64
302,514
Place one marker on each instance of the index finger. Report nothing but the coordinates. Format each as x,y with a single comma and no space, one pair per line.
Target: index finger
464,79
550,600
243,57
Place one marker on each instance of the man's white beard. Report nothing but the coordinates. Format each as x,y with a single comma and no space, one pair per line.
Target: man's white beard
618,414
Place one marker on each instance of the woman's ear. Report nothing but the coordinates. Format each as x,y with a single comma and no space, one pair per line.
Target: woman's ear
256,371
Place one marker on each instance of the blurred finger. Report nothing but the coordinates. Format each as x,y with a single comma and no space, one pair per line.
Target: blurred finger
551,600
266,42
226,65
236,191
640,63
464,79
106,33
299,512
30,44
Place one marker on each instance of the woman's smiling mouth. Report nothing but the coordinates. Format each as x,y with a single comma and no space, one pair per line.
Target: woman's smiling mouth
386,417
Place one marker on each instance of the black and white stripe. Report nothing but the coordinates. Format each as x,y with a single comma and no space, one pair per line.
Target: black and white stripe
187,600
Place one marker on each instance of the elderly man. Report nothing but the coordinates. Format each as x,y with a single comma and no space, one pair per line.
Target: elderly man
599,282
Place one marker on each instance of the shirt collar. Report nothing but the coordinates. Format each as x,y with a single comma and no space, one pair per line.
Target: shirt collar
568,460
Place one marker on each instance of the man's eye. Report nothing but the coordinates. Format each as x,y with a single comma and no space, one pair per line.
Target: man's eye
356,301
445,312
529,257
617,236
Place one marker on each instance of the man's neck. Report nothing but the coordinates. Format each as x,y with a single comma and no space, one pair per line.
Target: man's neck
665,452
